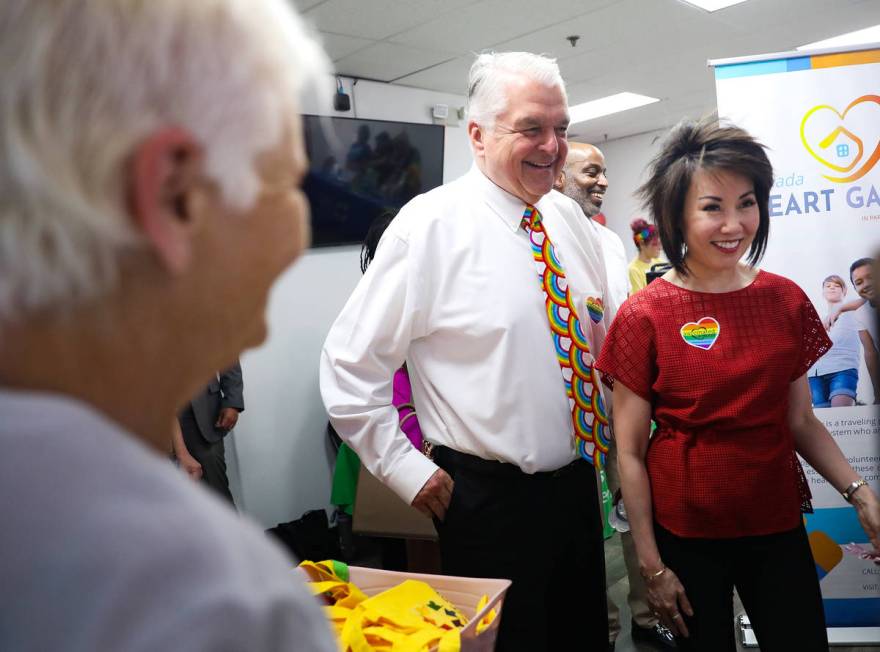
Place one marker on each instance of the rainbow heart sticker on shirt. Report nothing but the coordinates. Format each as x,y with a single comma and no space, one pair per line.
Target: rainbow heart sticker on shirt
595,309
702,334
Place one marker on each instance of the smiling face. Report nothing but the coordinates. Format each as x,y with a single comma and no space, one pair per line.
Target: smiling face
863,282
720,220
833,292
584,178
525,149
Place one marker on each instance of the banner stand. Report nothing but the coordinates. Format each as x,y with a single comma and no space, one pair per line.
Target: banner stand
818,114
848,636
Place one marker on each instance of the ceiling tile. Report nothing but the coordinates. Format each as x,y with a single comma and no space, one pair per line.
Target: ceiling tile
488,23
378,19
607,27
339,45
449,77
552,40
387,61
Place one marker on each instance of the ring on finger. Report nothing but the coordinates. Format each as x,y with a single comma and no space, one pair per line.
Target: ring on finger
676,616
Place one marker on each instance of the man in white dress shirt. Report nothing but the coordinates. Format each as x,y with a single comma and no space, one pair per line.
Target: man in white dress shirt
150,158
454,292
583,178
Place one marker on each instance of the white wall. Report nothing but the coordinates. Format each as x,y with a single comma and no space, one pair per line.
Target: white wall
627,160
279,462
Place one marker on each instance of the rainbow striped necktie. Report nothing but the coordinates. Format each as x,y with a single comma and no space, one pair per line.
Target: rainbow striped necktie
572,349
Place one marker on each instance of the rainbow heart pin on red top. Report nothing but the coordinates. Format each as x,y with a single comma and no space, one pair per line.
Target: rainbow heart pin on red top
702,334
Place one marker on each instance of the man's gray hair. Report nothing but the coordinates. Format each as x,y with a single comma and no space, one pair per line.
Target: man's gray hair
85,81
492,71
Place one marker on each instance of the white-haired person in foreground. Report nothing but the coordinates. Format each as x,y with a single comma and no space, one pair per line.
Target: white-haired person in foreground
461,288
150,156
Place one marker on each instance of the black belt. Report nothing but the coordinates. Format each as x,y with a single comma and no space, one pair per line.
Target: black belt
445,456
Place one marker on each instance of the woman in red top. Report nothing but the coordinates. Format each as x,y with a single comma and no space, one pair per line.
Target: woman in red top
717,353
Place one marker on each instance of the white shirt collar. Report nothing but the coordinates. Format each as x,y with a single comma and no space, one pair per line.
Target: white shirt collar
506,206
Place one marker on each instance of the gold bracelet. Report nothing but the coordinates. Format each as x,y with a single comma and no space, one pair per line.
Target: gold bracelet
654,576
852,488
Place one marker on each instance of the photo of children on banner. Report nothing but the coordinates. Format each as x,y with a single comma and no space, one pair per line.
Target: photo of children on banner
835,376
864,318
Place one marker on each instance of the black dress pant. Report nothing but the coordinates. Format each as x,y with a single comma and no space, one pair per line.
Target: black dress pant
211,455
775,576
541,531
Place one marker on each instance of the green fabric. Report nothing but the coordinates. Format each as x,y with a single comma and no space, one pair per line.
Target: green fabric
345,479
341,570
607,505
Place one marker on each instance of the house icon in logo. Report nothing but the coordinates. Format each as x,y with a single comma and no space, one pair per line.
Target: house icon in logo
842,146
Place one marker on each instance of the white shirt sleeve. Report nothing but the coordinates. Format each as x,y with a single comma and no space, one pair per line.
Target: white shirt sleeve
365,346
616,268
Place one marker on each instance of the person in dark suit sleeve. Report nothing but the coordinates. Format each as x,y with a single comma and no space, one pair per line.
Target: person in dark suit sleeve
207,419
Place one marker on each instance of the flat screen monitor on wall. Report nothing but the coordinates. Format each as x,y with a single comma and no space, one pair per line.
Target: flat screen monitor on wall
359,168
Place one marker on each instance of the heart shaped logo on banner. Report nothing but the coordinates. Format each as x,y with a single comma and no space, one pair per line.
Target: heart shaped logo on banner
821,113
701,334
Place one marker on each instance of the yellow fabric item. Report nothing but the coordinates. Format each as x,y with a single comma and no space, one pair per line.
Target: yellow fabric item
409,617
637,270
488,618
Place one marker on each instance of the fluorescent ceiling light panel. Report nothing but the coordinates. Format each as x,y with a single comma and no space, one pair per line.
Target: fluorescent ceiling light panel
867,35
713,5
607,106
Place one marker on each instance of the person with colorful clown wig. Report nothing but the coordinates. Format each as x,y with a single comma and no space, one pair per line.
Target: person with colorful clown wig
717,351
648,243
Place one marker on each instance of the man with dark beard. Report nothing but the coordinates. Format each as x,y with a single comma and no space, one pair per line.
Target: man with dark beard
583,177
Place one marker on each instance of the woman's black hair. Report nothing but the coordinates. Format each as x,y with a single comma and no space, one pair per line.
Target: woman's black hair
374,234
706,144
